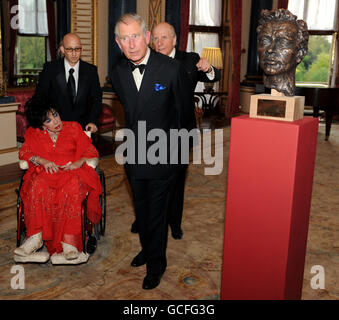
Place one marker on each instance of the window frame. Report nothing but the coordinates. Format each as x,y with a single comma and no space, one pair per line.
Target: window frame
333,55
204,29
28,79
331,75
30,36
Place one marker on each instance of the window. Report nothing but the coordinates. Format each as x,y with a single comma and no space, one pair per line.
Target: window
321,17
204,27
31,46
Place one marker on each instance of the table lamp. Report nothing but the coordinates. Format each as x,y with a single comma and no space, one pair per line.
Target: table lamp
214,57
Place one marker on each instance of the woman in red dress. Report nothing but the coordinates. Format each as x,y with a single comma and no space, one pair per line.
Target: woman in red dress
56,183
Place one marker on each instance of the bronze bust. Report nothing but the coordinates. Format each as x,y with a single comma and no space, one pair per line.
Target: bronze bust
282,44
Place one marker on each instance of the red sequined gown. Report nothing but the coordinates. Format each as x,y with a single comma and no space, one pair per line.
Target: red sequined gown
52,202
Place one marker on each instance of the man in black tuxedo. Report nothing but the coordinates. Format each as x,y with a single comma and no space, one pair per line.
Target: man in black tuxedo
73,84
198,69
153,91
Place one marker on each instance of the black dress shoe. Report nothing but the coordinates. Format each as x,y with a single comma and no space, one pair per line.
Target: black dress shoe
151,281
177,234
138,260
134,228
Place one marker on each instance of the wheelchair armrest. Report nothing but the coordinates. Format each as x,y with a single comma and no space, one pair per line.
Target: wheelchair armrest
93,162
23,164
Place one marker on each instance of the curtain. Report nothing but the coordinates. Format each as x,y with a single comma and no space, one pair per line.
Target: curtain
326,17
282,4
205,13
234,90
33,17
254,72
51,28
13,34
63,19
173,17
184,26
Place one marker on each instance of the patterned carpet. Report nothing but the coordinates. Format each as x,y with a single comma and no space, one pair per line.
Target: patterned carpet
194,263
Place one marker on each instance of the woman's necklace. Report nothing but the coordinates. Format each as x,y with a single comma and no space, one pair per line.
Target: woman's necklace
54,137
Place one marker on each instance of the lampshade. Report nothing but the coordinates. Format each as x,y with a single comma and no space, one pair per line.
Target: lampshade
213,55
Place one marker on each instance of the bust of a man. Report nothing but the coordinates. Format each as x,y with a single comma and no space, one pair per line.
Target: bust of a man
282,44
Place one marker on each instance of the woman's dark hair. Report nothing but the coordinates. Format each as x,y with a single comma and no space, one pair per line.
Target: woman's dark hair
37,109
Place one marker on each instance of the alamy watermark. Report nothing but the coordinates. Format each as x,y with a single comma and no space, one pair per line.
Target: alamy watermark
18,281
18,19
318,281
157,146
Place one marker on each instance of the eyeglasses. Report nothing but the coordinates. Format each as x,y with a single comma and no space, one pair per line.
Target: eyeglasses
128,38
70,50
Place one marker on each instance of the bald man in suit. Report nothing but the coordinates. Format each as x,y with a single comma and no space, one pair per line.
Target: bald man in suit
73,84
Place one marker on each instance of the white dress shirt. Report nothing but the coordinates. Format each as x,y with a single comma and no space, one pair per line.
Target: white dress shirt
75,73
136,73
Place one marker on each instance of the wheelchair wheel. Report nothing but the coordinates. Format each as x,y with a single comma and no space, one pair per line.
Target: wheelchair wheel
91,244
21,228
102,199
89,240
83,223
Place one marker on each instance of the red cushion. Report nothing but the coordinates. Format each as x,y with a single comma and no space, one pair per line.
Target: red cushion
21,96
21,125
106,118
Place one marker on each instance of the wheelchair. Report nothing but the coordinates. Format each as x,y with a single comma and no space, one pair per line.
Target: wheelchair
90,233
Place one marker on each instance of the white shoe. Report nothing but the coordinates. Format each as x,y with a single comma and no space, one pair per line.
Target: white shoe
70,252
32,244
59,258
38,257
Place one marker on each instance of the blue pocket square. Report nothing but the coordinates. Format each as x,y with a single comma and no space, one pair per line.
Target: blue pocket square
159,87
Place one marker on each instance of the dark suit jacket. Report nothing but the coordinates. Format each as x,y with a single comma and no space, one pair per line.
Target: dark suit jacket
170,107
87,108
189,61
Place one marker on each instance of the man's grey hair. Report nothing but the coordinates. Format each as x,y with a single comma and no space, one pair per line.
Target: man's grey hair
126,18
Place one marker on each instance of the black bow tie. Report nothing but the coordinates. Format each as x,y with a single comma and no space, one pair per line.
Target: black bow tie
141,67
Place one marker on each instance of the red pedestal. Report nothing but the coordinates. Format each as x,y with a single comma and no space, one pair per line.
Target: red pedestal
269,189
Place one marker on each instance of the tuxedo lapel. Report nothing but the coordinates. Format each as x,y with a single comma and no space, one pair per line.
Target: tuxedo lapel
178,55
61,78
129,87
81,82
147,85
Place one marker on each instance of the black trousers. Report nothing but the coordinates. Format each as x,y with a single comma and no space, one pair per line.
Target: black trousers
151,199
177,201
